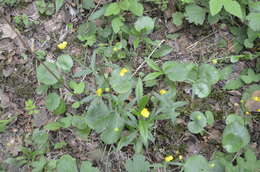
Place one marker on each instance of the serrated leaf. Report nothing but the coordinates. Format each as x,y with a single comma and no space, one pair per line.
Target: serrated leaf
233,7
145,24
44,76
52,101
67,164
52,126
65,62
124,4
195,14
136,8
163,51
112,9
177,18
233,84
209,74
116,24
215,6
253,21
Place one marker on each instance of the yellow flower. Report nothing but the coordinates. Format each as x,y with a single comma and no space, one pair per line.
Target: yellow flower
168,158
116,129
180,157
257,99
123,71
62,45
163,91
99,92
247,113
258,110
107,89
214,61
145,113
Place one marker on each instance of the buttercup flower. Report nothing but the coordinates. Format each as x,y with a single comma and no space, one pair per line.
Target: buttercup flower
145,113
257,99
168,158
258,110
99,92
180,157
62,45
247,113
162,91
123,71
214,61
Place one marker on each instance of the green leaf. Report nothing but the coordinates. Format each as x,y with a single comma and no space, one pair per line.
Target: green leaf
60,109
196,163
210,117
86,166
250,77
144,131
209,74
78,88
112,9
177,18
75,105
233,7
235,118
253,21
116,24
195,14
235,137
138,164
198,122
233,84
126,140
201,89
225,72
59,145
139,92
86,30
152,76
65,62
163,51
124,4
144,23
67,164
44,76
136,8
58,4
52,126
152,64
38,166
98,13
121,84
52,101
215,6
88,4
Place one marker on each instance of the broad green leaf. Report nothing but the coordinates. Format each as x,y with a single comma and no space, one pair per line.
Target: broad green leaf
86,166
40,137
116,24
215,6
209,74
59,145
152,76
235,137
253,21
233,7
163,51
152,65
144,131
138,164
46,77
52,126
198,122
38,166
52,101
195,14
176,71
250,77
136,8
177,18
225,72
75,105
61,108
112,9
196,163
139,89
86,30
58,4
233,84
144,23
201,89
67,164
124,4
121,84
78,88
65,62
98,13
235,118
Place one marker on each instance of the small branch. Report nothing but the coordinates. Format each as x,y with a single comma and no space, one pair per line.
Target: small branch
25,44
143,63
